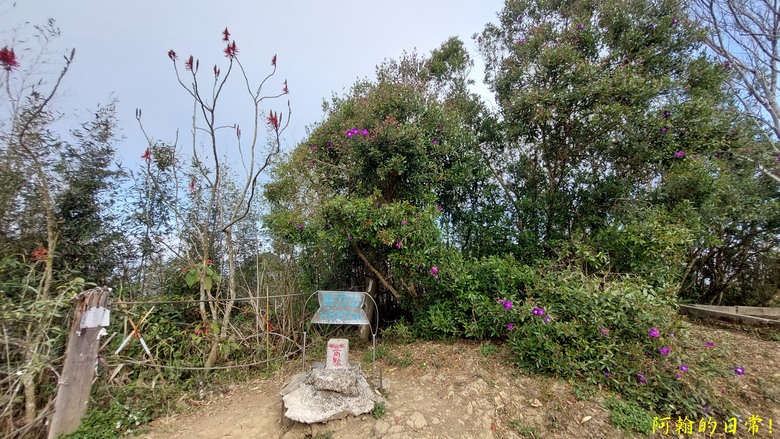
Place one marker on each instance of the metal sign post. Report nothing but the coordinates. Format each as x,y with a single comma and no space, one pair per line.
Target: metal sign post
343,308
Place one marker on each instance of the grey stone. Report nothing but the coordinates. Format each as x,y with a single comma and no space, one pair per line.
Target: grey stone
380,428
342,381
322,396
417,421
294,383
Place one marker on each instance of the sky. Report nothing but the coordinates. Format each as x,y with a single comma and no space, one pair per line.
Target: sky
323,47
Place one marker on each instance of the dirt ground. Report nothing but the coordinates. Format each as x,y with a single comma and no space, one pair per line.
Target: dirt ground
470,390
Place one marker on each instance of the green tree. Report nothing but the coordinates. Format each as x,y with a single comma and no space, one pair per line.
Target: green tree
368,192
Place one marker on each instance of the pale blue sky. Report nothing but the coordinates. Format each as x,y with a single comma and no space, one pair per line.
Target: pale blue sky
322,47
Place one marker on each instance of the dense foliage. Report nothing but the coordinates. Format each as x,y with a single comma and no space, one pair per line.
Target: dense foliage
615,174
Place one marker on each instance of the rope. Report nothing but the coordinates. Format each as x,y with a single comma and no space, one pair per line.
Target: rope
175,302
233,366
128,360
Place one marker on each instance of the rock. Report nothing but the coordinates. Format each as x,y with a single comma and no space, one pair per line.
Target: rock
294,383
323,395
417,421
343,381
395,429
380,428
385,384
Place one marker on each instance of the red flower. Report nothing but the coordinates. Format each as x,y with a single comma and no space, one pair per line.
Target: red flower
192,184
216,71
172,55
40,254
225,35
8,59
231,50
285,90
147,155
273,60
273,120
188,63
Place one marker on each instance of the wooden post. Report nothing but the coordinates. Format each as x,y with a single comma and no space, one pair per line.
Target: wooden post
80,361
365,330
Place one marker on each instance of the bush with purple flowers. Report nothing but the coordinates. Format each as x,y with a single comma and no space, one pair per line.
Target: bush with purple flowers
620,333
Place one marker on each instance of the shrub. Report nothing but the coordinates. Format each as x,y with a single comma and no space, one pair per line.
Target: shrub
629,416
463,303
618,332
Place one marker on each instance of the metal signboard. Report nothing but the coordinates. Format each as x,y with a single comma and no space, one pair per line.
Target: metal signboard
341,308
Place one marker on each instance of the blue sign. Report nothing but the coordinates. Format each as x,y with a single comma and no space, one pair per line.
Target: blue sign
341,308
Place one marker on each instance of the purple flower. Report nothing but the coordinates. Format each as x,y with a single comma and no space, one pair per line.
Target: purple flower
671,335
507,304
739,370
605,331
675,21
522,40
727,64
300,227
364,132
580,26
398,244
313,147
435,273
778,159
654,333
667,114
349,237
652,26
441,127
664,129
438,208
403,223
435,141
537,311
330,145
501,301
546,319
709,344
677,375
679,154
684,368
720,154
510,326
641,378
606,373
665,350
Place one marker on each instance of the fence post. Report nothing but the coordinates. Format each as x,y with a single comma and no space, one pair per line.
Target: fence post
90,317
365,330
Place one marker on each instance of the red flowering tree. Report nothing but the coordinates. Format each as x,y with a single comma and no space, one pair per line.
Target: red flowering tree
217,200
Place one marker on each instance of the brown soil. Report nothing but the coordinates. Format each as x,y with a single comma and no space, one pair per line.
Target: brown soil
464,390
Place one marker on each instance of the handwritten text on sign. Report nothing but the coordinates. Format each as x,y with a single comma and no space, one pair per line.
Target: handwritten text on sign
340,308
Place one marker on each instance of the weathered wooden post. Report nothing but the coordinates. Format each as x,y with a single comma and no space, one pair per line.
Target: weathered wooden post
89,319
